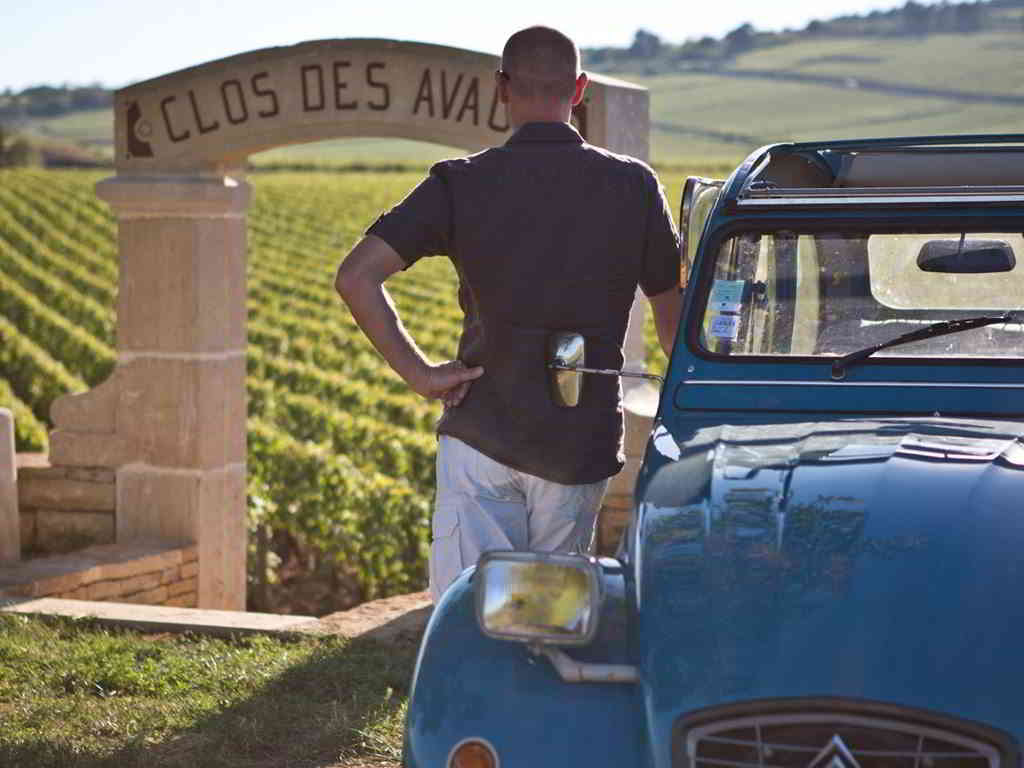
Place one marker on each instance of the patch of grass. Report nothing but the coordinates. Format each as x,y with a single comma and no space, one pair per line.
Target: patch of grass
73,694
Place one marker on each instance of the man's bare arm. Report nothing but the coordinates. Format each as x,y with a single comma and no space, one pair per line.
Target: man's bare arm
666,307
360,283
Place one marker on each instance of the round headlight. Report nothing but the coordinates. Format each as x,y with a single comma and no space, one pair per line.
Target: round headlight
473,753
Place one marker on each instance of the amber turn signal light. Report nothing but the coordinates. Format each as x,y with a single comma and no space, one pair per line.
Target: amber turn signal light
473,753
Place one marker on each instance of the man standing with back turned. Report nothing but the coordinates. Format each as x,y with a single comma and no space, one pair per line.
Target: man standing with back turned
547,234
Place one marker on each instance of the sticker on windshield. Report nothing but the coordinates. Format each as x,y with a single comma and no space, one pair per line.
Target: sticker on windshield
725,327
727,295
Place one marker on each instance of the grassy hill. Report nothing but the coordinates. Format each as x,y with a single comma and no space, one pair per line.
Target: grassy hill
984,62
839,88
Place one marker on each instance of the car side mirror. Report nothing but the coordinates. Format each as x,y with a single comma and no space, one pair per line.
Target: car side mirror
699,197
566,351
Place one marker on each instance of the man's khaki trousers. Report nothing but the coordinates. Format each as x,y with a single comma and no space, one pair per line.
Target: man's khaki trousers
482,505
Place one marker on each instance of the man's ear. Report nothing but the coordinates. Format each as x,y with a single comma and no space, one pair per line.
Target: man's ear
581,86
501,81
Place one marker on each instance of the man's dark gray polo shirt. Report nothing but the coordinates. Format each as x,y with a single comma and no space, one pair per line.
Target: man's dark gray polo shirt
547,233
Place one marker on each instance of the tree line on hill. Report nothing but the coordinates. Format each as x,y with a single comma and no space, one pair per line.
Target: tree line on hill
42,101
651,54
39,103
16,151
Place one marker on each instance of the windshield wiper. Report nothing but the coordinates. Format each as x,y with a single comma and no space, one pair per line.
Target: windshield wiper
840,364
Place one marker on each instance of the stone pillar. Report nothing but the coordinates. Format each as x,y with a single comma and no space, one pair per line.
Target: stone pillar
619,119
171,419
10,525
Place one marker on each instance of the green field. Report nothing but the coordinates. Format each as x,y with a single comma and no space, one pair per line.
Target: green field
984,62
341,453
95,126
373,153
730,117
713,114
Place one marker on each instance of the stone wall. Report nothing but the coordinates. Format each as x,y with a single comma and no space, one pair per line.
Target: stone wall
150,573
62,509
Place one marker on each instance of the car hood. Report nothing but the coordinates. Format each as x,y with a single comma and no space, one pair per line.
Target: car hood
869,559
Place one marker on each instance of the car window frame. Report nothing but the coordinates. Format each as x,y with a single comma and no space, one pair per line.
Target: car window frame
716,233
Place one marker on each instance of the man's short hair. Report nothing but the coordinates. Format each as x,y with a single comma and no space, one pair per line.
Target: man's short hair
541,62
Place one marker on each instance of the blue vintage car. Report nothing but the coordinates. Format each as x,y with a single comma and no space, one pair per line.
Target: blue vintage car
825,561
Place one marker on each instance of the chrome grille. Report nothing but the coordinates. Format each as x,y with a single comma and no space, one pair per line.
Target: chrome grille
823,739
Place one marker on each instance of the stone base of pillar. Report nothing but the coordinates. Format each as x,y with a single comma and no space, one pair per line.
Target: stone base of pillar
64,508
202,506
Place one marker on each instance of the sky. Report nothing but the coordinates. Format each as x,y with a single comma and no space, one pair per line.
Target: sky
118,42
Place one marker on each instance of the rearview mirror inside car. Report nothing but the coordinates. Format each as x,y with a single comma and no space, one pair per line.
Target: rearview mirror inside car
966,256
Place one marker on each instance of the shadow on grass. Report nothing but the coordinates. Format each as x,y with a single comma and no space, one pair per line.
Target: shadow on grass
342,705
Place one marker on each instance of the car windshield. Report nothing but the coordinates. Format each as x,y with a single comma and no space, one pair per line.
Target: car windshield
832,294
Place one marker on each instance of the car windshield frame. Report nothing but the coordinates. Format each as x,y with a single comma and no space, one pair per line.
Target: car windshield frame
865,225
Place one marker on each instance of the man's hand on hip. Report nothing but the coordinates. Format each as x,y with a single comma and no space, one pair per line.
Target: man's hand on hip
360,282
448,381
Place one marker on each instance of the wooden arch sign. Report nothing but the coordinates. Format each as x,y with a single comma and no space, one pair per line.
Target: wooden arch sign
215,114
